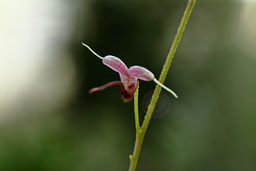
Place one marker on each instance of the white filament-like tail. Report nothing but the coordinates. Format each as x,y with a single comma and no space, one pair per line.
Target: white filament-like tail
92,51
166,88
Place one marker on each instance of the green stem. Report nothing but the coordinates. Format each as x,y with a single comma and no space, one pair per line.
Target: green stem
141,131
136,110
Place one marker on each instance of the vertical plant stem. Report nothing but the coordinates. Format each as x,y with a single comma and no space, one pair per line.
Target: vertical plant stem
141,131
136,109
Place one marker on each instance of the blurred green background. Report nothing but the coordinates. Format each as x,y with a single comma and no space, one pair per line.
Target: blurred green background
49,122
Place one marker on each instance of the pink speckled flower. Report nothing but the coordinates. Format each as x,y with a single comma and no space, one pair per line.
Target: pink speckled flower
129,77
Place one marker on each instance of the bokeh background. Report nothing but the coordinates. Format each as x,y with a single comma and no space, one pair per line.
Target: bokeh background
49,122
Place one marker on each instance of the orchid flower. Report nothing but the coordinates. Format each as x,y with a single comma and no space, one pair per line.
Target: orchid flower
129,77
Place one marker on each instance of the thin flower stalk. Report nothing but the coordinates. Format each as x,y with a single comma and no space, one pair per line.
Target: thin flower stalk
141,131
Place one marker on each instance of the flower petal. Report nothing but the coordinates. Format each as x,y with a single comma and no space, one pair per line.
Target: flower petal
116,64
141,73
106,86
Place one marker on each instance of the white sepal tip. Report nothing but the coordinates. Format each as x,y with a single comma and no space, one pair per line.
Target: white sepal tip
166,88
92,51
